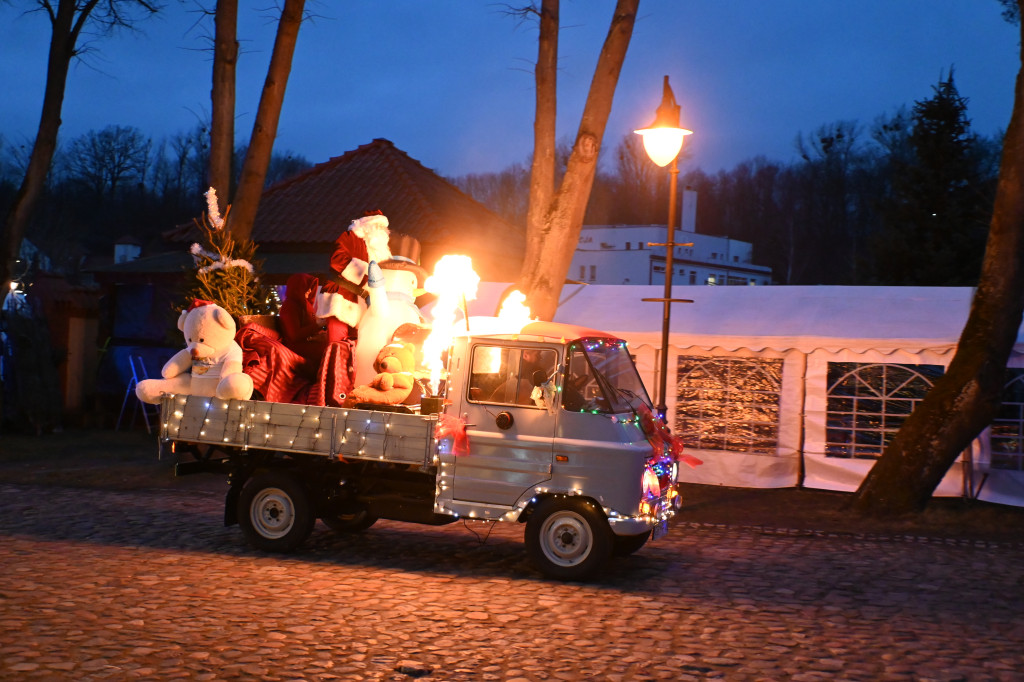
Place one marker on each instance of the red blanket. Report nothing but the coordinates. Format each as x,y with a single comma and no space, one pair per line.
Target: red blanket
280,375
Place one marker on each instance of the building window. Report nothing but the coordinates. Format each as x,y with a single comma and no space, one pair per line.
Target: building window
712,280
735,259
629,246
640,245
693,277
1007,433
725,403
583,271
593,272
868,403
714,255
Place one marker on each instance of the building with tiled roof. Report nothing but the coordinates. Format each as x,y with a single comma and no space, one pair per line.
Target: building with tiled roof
300,218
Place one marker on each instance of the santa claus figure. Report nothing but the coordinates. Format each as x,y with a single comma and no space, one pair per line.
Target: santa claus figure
340,303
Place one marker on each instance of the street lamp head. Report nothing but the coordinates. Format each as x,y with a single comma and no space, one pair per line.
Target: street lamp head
663,139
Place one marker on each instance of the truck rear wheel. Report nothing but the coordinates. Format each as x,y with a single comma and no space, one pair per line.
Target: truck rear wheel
346,524
568,539
274,512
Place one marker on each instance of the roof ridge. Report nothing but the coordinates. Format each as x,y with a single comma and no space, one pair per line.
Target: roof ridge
321,167
394,159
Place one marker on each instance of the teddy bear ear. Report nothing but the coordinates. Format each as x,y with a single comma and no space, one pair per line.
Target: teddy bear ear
223,318
181,320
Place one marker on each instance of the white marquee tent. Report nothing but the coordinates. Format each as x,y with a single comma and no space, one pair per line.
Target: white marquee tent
817,350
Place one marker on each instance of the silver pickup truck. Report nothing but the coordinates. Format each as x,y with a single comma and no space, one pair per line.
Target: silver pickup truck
543,427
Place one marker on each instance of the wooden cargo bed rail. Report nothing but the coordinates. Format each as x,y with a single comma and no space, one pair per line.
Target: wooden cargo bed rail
333,432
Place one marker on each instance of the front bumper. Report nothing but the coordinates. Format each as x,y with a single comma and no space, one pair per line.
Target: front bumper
661,511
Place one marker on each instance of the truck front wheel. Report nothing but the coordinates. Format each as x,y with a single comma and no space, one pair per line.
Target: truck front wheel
625,545
274,512
568,539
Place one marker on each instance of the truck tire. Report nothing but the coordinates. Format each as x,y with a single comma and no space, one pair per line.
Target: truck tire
567,538
274,512
346,524
624,545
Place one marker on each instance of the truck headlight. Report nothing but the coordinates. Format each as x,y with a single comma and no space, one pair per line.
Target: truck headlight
651,487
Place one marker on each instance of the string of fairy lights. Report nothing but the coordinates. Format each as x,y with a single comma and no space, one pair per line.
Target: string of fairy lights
293,428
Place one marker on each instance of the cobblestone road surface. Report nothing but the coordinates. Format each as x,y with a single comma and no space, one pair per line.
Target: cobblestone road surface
101,585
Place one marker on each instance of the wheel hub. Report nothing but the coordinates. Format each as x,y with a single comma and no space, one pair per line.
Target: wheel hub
566,539
273,513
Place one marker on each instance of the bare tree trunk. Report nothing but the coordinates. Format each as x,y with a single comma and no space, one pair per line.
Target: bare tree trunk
65,30
222,96
261,143
542,169
551,240
964,400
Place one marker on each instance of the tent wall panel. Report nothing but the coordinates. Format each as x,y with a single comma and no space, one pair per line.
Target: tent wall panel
808,327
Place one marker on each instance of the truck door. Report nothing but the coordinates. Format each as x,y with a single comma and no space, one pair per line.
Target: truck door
510,429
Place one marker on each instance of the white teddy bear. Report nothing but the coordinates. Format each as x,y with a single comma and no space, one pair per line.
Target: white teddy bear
209,365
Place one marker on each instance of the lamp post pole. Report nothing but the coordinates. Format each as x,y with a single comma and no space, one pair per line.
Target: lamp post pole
663,140
670,247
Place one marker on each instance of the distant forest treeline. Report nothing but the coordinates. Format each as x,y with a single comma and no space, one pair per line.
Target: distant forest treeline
904,200
118,182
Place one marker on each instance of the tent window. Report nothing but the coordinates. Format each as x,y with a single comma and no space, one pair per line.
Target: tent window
868,403
1007,433
725,403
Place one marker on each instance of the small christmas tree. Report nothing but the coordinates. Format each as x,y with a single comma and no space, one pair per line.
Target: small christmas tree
226,272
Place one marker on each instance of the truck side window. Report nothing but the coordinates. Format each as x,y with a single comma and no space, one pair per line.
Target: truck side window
582,391
505,375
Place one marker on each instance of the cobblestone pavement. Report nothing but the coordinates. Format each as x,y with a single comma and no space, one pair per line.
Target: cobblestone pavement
101,585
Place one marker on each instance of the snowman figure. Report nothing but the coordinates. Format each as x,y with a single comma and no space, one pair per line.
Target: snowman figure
393,286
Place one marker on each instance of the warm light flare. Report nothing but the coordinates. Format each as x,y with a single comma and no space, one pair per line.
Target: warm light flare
454,282
514,309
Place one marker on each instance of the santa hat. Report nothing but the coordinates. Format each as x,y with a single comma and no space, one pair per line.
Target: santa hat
372,228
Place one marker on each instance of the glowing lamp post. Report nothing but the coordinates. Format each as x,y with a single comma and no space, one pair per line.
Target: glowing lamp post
663,140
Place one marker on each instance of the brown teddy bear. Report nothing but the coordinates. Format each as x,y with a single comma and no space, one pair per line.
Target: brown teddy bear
394,381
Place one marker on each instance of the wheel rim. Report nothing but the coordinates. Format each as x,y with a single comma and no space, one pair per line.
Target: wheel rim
566,539
272,513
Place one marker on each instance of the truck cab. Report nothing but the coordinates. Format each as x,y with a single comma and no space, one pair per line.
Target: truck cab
552,416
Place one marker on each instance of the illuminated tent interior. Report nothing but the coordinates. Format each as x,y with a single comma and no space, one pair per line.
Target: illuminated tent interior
785,385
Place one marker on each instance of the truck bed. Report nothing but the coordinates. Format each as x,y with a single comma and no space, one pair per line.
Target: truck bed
334,432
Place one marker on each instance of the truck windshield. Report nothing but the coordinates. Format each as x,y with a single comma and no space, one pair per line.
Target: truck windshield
601,377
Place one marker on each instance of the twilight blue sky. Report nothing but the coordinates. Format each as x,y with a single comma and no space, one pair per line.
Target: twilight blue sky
450,81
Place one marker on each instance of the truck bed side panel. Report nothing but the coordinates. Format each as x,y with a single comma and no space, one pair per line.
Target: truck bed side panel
308,429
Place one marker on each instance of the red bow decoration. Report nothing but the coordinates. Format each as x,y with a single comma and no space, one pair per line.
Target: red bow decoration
198,303
660,438
454,427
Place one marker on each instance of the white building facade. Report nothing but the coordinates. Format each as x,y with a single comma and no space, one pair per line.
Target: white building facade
635,254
